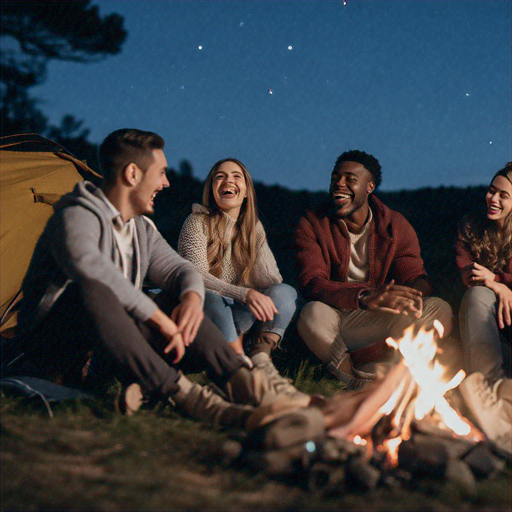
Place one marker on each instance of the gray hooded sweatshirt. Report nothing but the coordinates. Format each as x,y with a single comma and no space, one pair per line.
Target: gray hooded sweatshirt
78,242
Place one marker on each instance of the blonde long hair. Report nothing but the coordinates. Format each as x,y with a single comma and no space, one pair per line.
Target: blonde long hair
490,246
244,244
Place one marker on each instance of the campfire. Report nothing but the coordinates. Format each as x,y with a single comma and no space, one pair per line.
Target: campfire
400,431
419,394
412,432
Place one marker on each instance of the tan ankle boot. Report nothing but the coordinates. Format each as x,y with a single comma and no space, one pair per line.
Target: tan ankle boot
253,386
203,404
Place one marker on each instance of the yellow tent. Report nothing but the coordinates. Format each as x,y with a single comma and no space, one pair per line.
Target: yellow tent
34,173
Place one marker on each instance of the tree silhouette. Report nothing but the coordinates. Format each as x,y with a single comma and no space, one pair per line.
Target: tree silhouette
186,168
32,34
71,135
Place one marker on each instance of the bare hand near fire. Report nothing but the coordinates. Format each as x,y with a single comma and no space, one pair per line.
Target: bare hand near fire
395,299
504,295
475,274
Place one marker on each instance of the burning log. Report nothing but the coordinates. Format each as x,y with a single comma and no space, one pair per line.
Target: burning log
369,411
456,447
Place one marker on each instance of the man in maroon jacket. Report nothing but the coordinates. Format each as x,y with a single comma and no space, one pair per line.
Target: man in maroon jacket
360,266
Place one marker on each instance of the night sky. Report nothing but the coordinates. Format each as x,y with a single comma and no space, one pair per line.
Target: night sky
287,86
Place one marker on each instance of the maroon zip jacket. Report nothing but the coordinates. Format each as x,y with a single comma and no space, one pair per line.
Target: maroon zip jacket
322,247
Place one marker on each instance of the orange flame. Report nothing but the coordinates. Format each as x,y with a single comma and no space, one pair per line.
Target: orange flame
418,353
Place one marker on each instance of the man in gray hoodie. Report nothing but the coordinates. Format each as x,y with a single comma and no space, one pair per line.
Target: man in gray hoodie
83,295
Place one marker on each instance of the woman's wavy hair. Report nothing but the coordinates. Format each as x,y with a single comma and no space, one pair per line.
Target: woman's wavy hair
244,248
490,246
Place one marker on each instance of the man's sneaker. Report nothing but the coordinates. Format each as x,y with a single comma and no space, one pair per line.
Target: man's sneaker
281,385
130,399
203,404
255,387
492,414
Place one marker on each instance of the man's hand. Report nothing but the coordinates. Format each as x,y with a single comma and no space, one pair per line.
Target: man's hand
188,315
475,274
504,294
395,299
170,333
261,306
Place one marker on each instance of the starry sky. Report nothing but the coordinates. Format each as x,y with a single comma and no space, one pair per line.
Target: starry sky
287,86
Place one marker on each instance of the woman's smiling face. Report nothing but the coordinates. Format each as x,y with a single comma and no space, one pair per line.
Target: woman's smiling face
229,188
499,200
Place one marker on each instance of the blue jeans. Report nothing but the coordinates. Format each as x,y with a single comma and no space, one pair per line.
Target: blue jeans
486,349
234,318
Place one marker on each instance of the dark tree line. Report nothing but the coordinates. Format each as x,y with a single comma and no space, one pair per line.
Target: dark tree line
34,33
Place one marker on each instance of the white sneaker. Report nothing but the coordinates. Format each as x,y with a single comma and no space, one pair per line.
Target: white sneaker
493,414
281,385
264,363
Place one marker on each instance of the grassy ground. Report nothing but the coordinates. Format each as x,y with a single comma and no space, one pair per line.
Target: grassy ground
87,457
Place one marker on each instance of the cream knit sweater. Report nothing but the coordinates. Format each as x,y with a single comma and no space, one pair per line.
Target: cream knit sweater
192,245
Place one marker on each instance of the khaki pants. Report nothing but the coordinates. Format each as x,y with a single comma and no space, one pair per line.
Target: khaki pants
330,333
484,344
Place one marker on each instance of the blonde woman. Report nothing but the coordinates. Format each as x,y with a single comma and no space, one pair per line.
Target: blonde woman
244,289
484,258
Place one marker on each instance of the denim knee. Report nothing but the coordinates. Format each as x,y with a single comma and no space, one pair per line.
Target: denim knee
219,310
284,297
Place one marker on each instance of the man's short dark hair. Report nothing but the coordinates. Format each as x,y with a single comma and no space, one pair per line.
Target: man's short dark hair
369,162
126,146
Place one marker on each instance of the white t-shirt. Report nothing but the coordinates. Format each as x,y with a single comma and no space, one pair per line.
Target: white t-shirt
359,267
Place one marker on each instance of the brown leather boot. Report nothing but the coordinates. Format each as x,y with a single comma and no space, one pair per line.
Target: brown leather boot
263,343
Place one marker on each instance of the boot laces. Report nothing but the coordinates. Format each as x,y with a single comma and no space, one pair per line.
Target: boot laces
279,383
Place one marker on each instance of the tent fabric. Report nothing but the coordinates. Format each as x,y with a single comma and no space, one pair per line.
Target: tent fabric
34,173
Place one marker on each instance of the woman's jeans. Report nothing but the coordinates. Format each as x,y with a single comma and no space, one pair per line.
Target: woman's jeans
234,318
486,349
